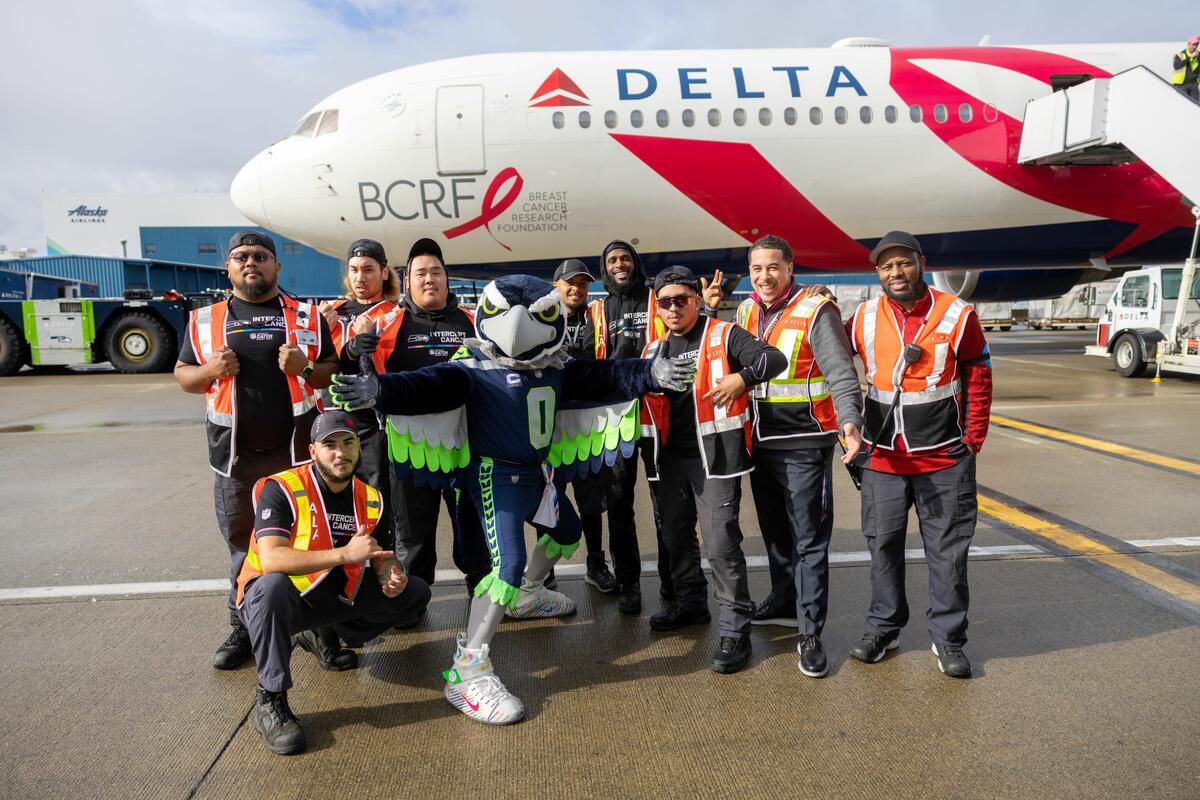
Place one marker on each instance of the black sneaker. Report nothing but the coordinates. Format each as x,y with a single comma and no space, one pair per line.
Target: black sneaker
629,599
731,654
235,651
551,581
279,727
774,612
327,648
874,646
679,616
812,656
952,661
599,575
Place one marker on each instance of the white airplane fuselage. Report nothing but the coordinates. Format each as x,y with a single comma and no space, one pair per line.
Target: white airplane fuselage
514,162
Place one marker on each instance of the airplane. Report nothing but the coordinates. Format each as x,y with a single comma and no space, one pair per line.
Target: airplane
516,161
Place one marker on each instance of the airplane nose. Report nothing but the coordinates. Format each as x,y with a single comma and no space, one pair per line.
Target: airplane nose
246,192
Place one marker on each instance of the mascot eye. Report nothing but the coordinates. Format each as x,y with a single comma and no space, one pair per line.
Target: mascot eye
488,306
548,314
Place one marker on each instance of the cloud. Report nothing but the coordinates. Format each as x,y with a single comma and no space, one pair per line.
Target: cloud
160,96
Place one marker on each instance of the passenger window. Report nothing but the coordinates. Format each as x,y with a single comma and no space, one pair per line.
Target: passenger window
329,123
585,119
764,116
889,113
915,114
1135,293
688,118
965,113
789,116
307,125
558,120
939,112
839,115
635,118
610,119
990,113
662,118
739,116
714,117
815,116
864,114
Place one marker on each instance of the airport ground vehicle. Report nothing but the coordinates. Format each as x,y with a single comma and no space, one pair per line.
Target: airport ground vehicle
1137,330
1079,308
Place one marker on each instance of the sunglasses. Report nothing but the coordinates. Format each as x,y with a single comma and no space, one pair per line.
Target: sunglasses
679,301
255,255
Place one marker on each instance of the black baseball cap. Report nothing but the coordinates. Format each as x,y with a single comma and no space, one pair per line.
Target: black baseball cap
676,275
896,239
425,247
330,422
570,268
367,247
243,238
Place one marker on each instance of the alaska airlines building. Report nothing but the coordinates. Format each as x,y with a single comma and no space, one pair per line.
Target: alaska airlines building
185,228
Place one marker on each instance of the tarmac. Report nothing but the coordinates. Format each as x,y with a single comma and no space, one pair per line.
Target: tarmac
1085,599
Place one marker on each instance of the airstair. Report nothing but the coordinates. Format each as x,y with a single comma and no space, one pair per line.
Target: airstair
1133,116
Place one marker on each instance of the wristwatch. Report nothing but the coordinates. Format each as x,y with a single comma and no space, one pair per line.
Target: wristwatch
307,372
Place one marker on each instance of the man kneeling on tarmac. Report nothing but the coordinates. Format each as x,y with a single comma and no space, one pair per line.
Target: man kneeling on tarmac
313,541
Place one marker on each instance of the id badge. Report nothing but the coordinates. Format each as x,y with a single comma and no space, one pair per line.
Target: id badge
306,339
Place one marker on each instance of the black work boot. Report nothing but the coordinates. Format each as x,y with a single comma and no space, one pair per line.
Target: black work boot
679,616
775,611
599,575
629,598
731,654
874,646
327,648
952,661
279,727
235,651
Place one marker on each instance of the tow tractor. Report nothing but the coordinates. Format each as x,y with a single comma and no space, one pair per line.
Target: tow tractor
1133,330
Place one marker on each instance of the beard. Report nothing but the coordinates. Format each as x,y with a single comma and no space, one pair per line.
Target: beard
253,291
914,292
336,475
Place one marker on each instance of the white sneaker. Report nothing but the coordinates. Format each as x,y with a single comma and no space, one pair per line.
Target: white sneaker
474,689
535,601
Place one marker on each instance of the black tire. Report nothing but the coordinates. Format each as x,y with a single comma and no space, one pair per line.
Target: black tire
1006,327
1127,357
139,343
12,349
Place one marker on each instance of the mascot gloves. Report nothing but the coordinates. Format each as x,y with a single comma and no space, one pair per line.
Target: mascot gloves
675,374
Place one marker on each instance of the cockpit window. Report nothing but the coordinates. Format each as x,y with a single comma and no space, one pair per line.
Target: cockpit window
307,125
329,122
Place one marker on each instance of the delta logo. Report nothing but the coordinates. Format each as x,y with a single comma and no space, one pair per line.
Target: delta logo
558,90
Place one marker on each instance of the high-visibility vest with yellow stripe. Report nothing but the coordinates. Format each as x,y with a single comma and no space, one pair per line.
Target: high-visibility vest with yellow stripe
655,328
723,431
206,327
310,529
1190,64
796,402
929,413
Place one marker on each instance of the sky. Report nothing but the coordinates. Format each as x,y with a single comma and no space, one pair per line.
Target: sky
163,96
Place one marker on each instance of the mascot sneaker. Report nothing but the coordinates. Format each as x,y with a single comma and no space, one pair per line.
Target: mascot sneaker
473,688
535,601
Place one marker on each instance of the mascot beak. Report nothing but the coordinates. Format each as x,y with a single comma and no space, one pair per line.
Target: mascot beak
517,332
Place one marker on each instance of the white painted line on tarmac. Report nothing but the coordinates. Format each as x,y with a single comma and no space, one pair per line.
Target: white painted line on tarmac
452,576
1041,364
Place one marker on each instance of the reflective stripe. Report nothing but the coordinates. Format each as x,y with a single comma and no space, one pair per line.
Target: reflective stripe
941,351
303,405
951,317
724,425
303,509
204,334
915,398
791,391
869,315
224,420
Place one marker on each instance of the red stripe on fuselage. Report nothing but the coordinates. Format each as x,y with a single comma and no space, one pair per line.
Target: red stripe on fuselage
734,183
1127,192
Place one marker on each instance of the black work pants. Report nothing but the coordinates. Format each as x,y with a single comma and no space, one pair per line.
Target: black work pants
793,497
233,499
622,525
946,511
273,610
685,495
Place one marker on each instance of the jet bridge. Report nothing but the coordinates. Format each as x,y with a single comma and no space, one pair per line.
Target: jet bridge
1132,116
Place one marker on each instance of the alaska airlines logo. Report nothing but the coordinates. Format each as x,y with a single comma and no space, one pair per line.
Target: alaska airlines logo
558,90
85,214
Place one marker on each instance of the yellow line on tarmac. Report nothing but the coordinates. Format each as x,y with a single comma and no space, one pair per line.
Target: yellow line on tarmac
1100,445
1086,546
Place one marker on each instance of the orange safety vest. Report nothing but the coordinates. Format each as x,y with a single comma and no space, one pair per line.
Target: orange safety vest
310,528
929,414
206,327
389,326
723,432
796,402
655,328
342,333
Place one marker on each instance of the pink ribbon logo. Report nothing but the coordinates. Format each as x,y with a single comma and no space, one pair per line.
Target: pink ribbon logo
492,207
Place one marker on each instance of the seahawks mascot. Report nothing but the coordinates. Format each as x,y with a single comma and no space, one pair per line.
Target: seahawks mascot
496,421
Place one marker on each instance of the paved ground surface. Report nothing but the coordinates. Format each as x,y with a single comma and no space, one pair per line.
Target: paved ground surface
1085,600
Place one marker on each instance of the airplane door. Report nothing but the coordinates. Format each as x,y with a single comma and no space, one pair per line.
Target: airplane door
459,130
